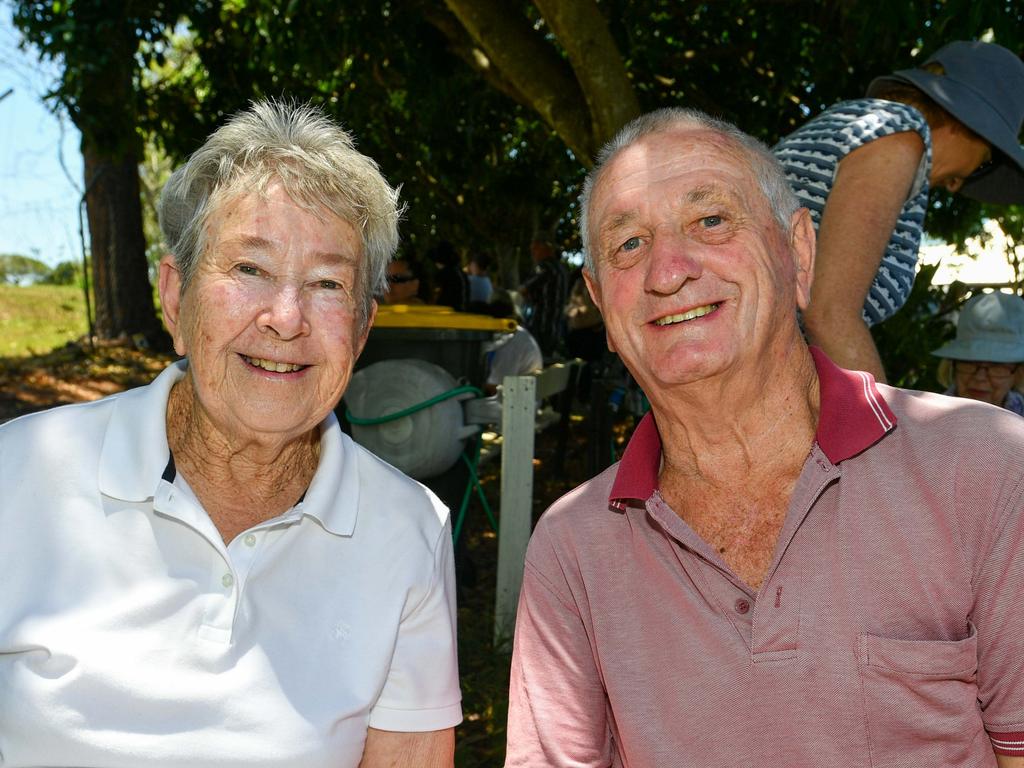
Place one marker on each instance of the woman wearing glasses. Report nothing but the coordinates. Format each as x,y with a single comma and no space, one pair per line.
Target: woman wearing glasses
864,169
986,359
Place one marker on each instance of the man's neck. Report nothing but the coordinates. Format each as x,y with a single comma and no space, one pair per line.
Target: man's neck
729,431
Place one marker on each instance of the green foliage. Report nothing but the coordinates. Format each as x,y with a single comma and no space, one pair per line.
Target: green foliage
906,340
65,273
16,269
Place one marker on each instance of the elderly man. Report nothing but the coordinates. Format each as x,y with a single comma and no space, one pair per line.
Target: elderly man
791,566
206,571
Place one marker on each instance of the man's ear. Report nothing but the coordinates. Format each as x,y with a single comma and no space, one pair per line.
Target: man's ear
594,288
170,300
803,245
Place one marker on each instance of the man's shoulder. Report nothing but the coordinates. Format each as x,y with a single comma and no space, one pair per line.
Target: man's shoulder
955,425
583,516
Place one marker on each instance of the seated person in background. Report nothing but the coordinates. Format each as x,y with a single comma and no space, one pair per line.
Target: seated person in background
451,284
545,293
403,283
206,571
516,354
984,361
480,287
864,168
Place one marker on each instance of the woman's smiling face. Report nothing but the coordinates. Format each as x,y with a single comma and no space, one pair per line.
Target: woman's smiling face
269,322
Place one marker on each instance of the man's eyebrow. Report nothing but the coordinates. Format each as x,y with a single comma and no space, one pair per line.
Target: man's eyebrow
619,220
705,193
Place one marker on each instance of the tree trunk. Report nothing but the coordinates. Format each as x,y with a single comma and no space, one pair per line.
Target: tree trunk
124,297
105,114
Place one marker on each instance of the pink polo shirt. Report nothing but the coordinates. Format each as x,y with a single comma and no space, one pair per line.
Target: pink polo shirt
888,630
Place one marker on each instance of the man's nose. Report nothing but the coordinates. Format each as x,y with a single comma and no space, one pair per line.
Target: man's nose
674,259
285,314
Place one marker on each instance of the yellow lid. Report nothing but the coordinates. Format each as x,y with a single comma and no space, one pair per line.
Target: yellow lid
430,316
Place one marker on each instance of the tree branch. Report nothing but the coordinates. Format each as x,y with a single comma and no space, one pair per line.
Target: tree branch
600,71
533,67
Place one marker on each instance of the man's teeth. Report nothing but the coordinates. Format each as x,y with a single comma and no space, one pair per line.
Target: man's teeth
690,315
270,365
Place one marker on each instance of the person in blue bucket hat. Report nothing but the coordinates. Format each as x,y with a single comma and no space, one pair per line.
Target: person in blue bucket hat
986,359
864,169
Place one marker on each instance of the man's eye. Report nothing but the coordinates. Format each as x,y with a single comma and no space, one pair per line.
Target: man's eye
711,221
330,285
632,244
248,269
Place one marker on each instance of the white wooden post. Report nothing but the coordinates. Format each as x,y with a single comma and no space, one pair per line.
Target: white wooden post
519,403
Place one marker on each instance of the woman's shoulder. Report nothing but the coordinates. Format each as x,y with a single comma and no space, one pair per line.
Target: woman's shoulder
859,121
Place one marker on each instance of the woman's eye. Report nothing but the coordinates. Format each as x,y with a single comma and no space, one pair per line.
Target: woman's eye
329,285
632,244
248,269
711,221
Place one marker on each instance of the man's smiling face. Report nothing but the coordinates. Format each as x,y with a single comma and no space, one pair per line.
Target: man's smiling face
694,276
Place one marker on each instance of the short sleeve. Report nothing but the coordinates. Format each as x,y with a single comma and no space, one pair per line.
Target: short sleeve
422,688
557,703
999,619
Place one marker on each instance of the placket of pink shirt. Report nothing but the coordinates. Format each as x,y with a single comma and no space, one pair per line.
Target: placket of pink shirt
769,621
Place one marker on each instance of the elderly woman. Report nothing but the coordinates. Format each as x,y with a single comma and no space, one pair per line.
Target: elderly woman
986,359
206,571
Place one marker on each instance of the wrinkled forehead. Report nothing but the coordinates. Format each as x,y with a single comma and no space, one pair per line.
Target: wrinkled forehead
693,162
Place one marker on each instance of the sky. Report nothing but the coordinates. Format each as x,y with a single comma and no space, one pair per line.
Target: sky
38,202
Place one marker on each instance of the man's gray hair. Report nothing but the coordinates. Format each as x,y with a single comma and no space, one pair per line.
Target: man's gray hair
316,162
766,169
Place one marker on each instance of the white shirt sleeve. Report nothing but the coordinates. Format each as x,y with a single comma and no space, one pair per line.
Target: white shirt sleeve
422,688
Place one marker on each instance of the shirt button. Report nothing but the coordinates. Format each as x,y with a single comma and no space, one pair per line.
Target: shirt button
742,606
250,539
227,580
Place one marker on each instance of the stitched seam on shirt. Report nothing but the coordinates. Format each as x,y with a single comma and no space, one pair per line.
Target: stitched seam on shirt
546,583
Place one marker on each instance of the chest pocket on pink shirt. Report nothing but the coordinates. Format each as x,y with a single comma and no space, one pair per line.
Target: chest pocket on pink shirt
921,702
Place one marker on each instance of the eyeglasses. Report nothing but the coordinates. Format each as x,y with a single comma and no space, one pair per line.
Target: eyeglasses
985,167
401,278
994,371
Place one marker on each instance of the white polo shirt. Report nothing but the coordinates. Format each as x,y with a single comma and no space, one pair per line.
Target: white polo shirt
131,635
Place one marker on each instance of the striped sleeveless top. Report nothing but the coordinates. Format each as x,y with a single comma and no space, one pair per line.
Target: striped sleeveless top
810,156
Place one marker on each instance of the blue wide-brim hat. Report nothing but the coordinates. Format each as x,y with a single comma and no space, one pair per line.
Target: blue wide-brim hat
983,88
990,329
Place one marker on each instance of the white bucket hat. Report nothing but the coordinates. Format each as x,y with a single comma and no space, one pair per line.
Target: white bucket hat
990,328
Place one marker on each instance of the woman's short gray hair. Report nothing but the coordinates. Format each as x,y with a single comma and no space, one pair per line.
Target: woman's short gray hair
767,171
316,162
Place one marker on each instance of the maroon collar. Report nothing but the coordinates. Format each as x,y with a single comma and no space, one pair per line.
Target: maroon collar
853,417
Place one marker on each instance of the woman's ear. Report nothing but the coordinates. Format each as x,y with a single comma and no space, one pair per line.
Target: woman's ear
170,285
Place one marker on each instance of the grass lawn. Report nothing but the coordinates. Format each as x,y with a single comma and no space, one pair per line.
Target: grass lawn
38,318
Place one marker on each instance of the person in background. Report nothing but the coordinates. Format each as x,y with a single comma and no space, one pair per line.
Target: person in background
480,287
403,286
206,571
791,565
545,293
586,337
514,355
864,169
986,359
451,285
